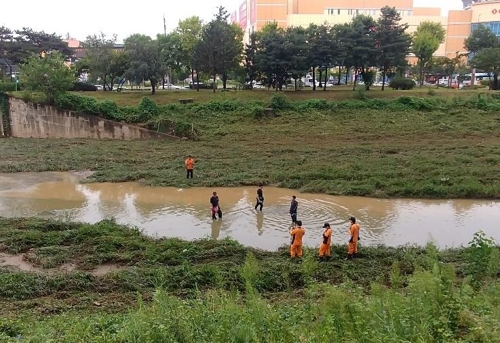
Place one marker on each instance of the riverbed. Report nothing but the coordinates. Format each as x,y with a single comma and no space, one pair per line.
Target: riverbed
184,213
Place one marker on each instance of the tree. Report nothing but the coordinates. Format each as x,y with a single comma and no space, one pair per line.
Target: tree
145,62
488,59
220,48
19,45
298,50
272,55
361,46
481,38
425,42
392,41
170,52
340,36
251,67
48,75
322,48
189,30
99,56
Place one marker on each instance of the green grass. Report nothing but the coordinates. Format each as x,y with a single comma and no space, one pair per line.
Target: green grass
411,147
219,291
131,98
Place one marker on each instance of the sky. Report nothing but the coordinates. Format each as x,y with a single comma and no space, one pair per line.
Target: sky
115,17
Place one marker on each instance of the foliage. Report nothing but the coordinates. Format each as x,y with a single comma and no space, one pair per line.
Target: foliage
482,259
103,61
402,83
426,41
193,291
19,45
7,87
83,87
362,45
4,110
190,31
220,49
488,60
251,67
481,38
393,42
48,75
144,60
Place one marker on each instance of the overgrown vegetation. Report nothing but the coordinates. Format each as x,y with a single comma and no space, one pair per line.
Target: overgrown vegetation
4,110
219,291
405,147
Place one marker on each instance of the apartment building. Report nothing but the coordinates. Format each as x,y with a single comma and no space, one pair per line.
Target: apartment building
252,15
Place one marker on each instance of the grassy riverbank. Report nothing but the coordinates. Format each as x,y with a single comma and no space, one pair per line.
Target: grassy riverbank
409,147
219,291
131,98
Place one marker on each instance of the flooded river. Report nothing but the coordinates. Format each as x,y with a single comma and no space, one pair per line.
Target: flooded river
184,213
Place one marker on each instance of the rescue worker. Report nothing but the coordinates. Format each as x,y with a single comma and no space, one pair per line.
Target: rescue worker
189,166
353,239
260,198
293,209
214,201
297,233
325,247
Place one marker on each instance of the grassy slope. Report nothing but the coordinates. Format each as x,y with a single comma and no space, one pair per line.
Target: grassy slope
446,153
131,98
212,287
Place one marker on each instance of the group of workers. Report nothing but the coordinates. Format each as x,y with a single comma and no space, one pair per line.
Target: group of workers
297,231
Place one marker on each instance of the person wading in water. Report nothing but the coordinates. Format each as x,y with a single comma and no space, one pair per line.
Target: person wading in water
293,209
260,199
214,201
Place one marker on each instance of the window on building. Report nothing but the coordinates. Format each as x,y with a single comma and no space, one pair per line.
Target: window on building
409,13
349,12
338,11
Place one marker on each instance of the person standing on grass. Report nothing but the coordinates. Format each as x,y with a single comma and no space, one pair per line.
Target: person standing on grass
214,202
297,233
189,166
353,239
326,244
260,198
293,209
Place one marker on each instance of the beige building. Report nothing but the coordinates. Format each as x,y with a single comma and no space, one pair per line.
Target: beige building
255,14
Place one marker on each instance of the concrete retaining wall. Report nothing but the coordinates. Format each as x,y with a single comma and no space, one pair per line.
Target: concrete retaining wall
29,120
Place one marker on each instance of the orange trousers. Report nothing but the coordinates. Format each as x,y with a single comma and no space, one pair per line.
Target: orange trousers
296,250
324,250
353,248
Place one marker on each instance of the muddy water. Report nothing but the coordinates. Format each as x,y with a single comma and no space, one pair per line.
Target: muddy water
185,213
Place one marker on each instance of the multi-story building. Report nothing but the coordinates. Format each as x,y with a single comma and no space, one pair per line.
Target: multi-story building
252,15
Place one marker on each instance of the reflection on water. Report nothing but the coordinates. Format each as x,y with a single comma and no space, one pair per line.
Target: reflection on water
185,213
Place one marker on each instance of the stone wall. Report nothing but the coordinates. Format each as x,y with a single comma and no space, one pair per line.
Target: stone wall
29,120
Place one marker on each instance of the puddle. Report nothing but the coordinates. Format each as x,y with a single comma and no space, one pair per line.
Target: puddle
18,263
184,213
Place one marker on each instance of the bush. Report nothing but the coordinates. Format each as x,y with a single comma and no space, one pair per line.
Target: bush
402,83
7,87
280,102
83,87
147,110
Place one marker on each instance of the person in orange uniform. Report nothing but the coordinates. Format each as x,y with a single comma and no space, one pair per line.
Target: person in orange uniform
297,233
189,166
353,239
325,247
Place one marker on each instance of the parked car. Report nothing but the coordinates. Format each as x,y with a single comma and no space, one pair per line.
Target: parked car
170,86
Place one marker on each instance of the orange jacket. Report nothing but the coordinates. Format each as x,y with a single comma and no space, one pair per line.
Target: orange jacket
327,236
297,235
354,233
189,163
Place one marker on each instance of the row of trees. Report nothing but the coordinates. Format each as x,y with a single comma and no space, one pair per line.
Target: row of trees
273,55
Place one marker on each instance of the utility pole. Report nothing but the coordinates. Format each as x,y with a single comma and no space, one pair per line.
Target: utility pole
164,25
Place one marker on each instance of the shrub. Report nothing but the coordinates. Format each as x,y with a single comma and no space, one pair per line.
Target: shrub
147,110
360,94
402,83
280,102
7,86
83,87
